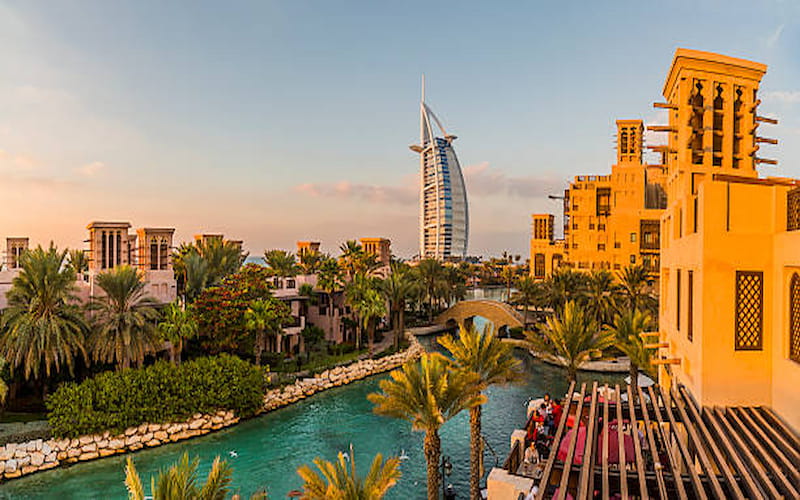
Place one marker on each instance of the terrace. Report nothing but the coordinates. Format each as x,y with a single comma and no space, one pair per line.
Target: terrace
662,446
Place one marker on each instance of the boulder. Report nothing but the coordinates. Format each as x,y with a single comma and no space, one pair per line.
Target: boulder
48,446
37,458
11,465
89,448
73,452
153,428
83,440
160,435
88,456
116,444
104,452
52,457
153,442
7,451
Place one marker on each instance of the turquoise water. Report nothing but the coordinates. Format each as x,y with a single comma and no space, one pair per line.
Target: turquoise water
271,447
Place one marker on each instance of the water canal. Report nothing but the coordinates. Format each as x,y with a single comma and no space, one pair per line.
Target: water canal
269,449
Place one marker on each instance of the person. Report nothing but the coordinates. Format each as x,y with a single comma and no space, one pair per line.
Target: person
531,455
557,410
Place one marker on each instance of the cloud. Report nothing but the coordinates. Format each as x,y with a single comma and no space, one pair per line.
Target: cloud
483,180
773,38
91,169
402,194
17,161
782,96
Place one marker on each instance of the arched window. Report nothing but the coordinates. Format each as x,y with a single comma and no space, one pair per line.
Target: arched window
794,318
153,257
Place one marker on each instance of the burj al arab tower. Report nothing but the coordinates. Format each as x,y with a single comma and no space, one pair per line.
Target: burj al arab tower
443,209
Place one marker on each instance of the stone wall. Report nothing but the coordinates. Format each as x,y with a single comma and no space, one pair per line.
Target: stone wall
19,459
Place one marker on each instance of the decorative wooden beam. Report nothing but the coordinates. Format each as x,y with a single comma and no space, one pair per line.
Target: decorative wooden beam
661,128
767,161
587,463
637,447
659,345
755,104
657,465
721,430
605,491
766,140
666,361
662,148
665,105
764,119
699,491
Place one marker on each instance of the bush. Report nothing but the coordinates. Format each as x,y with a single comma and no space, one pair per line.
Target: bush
161,393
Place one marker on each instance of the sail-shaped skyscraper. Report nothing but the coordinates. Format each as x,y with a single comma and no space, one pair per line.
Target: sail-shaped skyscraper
443,210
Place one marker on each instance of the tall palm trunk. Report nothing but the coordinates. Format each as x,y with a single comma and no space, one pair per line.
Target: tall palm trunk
475,449
634,374
401,327
371,333
433,450
259,347
572,373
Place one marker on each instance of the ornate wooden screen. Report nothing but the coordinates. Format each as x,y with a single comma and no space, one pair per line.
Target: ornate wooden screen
793,209
794,318
749,310
538,265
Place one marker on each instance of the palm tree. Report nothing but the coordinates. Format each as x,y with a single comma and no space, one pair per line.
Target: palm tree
263,318
42,329
179,482
562,286
329,280
336,480
429,274
600,297
370,308
427,393
124,325
397,288
357,294
626,329
79,263
529,292
352,253
177,325
633,287
493,361
282,264
570,338
310,261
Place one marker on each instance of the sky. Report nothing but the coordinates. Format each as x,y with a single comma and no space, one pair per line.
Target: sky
274,122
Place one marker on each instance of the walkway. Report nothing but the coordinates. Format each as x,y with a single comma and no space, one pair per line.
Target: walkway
499,313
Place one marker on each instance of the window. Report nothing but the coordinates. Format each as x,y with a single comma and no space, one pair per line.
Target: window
749,310
678,299
601,246
601,227
591,225
794,318
633,259
690,306
617,244
633,237
538,266
574,225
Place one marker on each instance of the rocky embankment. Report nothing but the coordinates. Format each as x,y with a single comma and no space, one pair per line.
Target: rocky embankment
19,459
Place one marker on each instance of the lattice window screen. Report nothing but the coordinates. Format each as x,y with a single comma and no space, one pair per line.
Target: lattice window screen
793,209
749,310
794,320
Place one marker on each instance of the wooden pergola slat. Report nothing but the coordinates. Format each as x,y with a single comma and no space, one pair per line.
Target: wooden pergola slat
684,451
791,453
783,482
662,487
548,468
709,443
781,460
673,462
587,463
604,454
623,473
637,447
742,449
779,424
562,487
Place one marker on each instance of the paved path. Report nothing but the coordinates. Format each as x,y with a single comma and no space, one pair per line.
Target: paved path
614,365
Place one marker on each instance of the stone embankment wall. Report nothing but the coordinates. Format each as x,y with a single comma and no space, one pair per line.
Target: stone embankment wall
19,459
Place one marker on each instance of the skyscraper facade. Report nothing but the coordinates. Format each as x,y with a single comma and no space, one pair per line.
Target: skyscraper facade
444,215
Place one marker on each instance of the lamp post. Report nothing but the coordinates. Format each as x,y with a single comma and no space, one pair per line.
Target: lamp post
447,469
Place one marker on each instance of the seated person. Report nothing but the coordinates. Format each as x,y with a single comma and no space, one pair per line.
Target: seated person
531,455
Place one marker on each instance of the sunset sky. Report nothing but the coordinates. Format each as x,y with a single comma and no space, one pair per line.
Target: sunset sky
280,121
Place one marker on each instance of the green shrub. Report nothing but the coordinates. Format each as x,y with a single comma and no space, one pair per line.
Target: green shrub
161,393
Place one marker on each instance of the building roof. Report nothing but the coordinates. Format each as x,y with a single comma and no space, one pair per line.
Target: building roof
719,453
102,224
711,61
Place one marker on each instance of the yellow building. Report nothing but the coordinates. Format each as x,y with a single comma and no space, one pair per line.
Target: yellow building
547,253
730,254
610,221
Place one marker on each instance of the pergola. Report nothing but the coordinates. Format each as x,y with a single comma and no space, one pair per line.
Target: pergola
680,450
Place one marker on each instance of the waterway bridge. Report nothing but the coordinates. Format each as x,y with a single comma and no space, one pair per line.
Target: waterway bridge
502,315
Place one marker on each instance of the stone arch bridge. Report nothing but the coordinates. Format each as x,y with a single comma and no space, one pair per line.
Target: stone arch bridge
500,314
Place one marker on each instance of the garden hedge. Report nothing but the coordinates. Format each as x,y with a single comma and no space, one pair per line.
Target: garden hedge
161,393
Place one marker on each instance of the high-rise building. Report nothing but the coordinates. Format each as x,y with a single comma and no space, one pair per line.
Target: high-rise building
444,214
